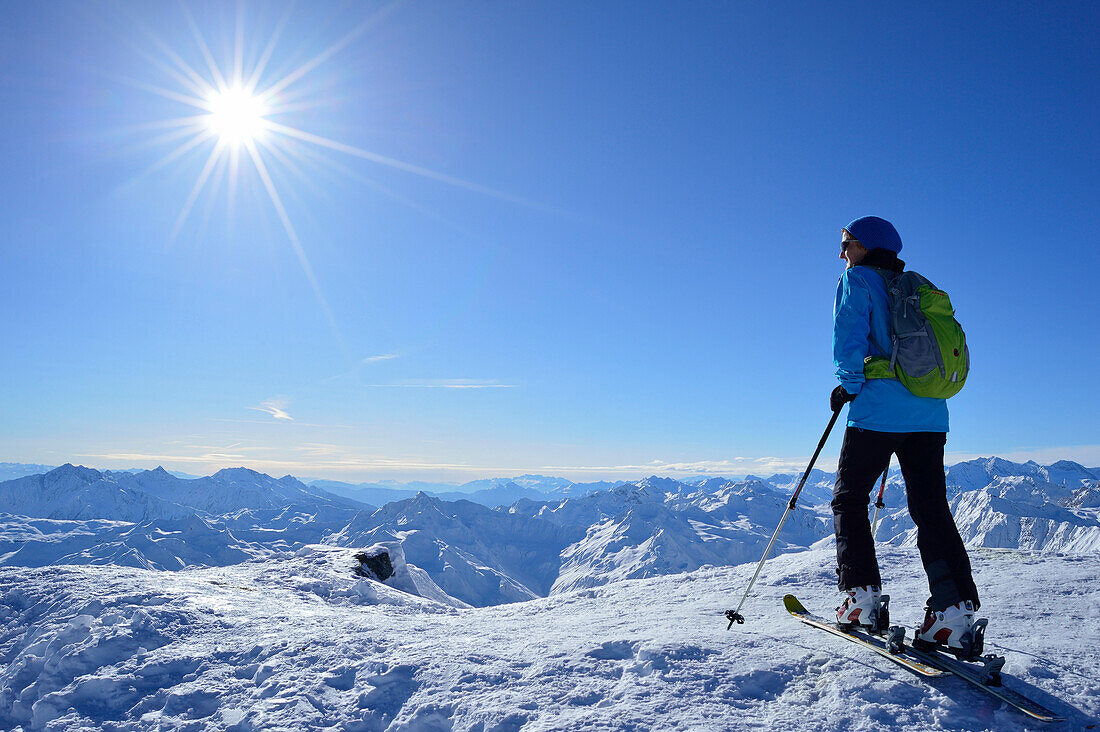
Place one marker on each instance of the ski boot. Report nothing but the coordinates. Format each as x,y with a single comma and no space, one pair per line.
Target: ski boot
953,629
866,608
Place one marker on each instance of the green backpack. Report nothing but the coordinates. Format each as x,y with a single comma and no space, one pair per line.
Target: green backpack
928,350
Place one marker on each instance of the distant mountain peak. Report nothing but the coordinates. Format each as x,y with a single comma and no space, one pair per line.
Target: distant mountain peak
1068,465
424,500
238,474
68,470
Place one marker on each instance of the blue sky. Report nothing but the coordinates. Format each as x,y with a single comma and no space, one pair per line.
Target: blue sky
583,239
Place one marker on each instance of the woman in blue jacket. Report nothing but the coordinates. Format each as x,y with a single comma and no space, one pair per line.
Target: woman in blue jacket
885,419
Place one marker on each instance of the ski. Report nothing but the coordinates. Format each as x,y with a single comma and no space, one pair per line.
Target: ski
985,673
874,643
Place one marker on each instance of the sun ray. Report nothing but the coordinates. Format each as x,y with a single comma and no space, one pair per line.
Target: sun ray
175,96
199,138
193,121
238,45
196,85
219,80
285,107
191,78
170,131
265,57
180,133
275,148
215,154
328,53
216,180
399,165
303,260
234,173
355,175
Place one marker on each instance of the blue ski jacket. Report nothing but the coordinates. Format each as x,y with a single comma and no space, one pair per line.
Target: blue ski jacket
861,328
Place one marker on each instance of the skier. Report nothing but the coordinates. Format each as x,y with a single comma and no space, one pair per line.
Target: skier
885,419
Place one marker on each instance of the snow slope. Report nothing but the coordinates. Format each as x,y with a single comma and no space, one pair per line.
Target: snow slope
163,544
297,641
640,531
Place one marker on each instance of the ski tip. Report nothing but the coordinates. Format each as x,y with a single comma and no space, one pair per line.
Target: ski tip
793,605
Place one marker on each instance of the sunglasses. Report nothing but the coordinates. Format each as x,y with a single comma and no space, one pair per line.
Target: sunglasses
844,244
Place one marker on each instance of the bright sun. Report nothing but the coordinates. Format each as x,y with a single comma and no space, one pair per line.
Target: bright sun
236,116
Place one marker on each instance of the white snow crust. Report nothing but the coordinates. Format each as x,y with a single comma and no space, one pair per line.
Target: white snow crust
298,641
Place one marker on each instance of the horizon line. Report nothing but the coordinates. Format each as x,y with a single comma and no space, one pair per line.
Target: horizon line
595,474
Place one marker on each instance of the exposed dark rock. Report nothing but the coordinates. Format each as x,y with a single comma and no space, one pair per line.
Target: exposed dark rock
375,565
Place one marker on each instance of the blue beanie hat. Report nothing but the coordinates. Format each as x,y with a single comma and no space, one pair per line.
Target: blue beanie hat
875,233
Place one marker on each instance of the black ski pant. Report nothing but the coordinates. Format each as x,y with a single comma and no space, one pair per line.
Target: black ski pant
864,456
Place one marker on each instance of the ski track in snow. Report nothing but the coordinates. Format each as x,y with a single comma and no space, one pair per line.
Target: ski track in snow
300,642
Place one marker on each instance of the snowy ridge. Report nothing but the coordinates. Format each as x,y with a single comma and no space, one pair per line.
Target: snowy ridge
75,493
1016,506
299,641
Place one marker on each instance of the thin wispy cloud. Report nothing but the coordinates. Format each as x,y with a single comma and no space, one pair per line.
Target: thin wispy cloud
320,450
333,461
354,371
737,466
295,422
274,407
446,384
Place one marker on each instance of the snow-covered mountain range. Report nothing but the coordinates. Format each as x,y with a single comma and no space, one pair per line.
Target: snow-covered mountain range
557,537
154,520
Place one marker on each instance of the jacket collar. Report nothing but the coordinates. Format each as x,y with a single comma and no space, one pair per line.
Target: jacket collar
884,259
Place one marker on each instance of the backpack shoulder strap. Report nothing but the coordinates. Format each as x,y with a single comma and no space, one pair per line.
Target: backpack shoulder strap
888,276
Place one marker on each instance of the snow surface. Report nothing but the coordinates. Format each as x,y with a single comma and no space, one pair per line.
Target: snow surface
299,641
581,609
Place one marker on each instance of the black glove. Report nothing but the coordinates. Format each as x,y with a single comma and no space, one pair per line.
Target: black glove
839,398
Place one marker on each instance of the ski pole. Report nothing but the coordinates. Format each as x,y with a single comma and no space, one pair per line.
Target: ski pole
878,501
735,616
